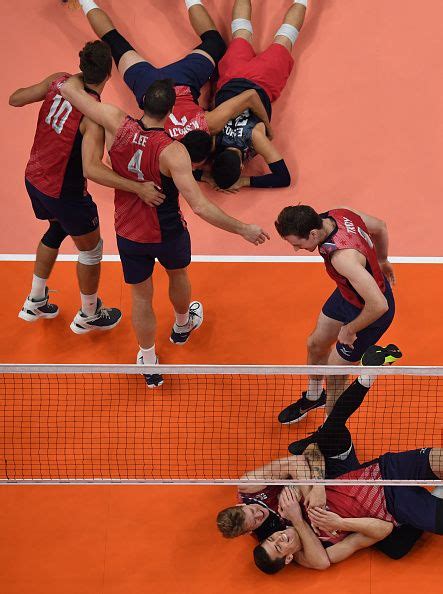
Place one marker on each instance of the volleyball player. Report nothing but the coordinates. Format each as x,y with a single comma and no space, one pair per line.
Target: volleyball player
354,247
188,121
58,192
245,136
141,149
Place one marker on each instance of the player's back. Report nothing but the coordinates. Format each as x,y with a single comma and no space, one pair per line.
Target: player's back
135,154
186,116
55,164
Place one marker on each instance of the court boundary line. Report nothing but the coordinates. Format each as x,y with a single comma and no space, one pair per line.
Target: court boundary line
233,259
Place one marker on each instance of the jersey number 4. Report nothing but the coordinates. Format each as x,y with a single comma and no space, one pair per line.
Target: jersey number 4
134,165
58,114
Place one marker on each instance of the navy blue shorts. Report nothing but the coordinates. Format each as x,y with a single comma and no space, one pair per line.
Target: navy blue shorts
138,259
337,308
193,71
77,216
412,505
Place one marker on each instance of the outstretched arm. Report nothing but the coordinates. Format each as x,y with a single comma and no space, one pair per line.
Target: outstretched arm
292,467
103,114
34,93
94,169
176,161
232,108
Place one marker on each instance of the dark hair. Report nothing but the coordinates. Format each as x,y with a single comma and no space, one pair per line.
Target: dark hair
226,169
230,521
198,144
298,220
95,62
159,99
264,562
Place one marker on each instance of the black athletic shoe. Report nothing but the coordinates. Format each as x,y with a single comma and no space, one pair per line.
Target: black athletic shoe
297,410
104,318
377,355
153,380
298,447
180,334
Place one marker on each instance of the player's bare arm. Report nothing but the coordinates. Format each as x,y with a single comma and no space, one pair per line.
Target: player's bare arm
291,467
351,264
312,553
232,108
108,116
175,162
34,93
379,233
94,169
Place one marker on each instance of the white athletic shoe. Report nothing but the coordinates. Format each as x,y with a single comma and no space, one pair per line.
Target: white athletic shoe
180,334
153,380
33,310
105,318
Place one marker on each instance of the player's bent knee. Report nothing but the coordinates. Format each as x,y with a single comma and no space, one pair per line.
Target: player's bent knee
118,44
213,44
54,236
239,24
92,257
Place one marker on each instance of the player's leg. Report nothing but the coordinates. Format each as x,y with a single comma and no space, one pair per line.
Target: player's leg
241,20
36,305
213,46
292,24
92,315
319,346
137,72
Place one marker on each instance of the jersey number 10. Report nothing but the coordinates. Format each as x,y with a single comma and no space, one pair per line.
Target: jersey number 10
58,114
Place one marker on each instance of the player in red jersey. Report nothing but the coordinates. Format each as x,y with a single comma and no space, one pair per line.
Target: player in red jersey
334,522
354,247
58,192
242,69
139,150
188,121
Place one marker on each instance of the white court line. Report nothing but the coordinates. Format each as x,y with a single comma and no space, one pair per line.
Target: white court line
235,259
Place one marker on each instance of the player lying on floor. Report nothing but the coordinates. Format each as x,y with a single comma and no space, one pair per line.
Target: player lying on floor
242,69
345,519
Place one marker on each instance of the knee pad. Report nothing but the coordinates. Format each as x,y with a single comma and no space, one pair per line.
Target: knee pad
118,44
213,44
54,236
288,31
238,24
92,257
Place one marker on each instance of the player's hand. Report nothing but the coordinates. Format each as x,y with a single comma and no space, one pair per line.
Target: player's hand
316,497
288,505
347,336
255,234
326,520
149,193
388,271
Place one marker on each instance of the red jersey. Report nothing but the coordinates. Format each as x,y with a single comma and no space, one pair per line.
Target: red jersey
365,501
350,233
186,115
135,154
55,165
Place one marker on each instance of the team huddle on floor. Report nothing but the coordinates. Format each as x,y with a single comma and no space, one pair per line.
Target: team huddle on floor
174,148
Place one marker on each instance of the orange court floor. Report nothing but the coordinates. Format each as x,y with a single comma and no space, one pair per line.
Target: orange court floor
359,124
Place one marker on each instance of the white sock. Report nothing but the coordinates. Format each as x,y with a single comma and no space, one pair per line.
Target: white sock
288,31
88,5
315,387
190,3
89,304
182,319
304,2
38,289
149,355
438,492
366,380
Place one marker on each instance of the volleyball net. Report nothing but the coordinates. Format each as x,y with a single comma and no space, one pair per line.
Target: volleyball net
210,425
